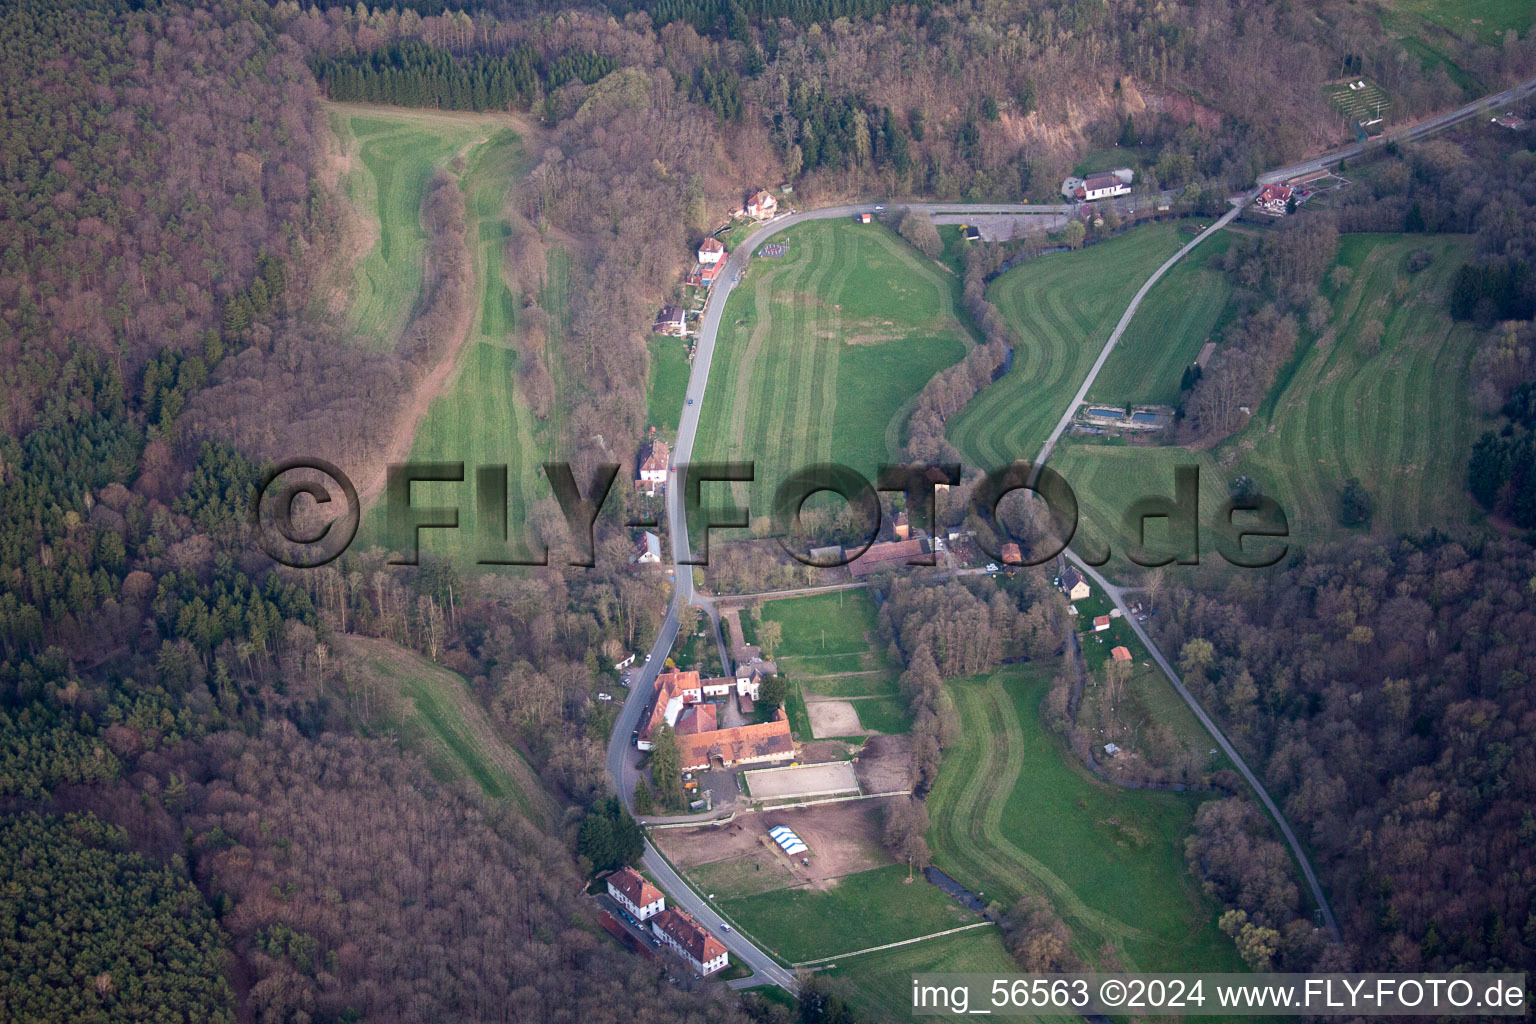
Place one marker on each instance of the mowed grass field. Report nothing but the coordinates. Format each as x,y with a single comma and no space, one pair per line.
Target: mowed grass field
1012,814
1179,315
820,353
870,908
1063,307
481,419
668,382
830,650
1400,419
881,983
393,158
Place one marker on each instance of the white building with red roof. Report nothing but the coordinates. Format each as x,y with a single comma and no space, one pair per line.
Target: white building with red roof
654,462
1272,199
636,895
685,936
711,250
761,205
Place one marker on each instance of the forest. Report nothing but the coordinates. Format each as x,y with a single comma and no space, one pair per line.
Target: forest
209,803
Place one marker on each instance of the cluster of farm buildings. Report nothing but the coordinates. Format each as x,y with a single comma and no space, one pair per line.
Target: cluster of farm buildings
681,702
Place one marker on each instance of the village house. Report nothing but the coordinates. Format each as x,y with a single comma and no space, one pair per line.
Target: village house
862,218
1101,623
1074,586
902,527
655,459
685,936
749,677
711,251
1103,185
761,205
672,321
1012,555
1273,198
648,550
636,895
1120,653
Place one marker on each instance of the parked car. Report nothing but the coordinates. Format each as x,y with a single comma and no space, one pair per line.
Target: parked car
991,567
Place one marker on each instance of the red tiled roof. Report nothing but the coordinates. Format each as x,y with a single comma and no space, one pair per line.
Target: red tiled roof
764,739
882,556
1102,620
657,457
634,886
689,934
1012,555
711,244
1120,653
697,719
668,685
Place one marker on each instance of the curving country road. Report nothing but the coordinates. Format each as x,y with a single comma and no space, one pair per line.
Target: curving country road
622,755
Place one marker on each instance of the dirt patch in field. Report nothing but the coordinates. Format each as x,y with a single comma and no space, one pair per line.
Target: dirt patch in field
843,838
833,718
885,764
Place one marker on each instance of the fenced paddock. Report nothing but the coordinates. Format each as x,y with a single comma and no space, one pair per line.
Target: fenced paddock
806,780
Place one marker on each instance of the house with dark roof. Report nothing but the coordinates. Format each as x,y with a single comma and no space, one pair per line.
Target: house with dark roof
1074,586
679,932
636,895
671,321
711,250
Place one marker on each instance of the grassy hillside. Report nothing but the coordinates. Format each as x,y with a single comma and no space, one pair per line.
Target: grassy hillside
480,419
434,711
1063,307
392,160
1399,418
820,352
1179,315
1013,814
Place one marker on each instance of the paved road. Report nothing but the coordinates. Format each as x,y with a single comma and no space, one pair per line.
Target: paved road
766,970
1125,321
1428,126
1118,596
622,756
